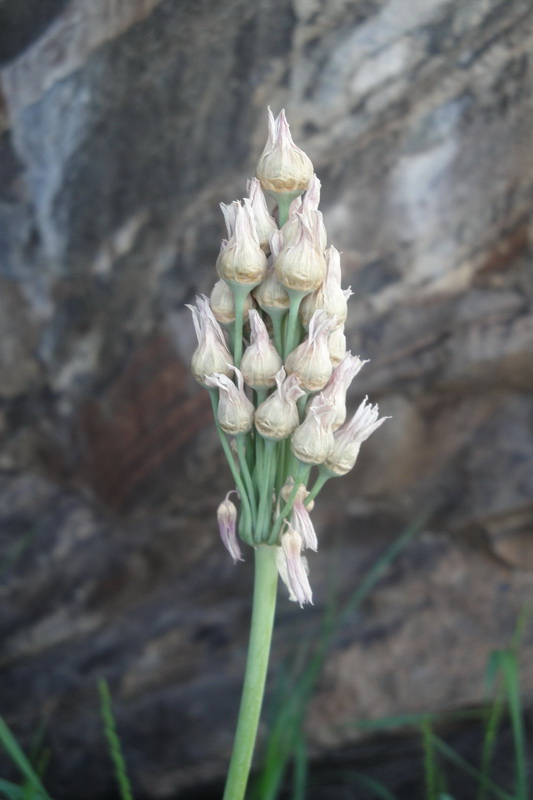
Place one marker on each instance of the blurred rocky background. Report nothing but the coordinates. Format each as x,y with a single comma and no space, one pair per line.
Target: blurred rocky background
123,124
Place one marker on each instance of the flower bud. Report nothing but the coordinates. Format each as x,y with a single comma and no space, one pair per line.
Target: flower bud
283,167
223,303
265,225
337,346
310,361
277,416
348,439
301,267
313,439
292,567
329,296
308,209
242,261
271,295
227,520
261,361
235,411
337,386
212,354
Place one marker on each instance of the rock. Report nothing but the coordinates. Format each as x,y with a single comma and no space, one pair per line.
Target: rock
122,126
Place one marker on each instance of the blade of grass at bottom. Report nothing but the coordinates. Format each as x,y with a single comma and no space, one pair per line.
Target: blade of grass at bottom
463,765
353,778
290,712
115,749
20,759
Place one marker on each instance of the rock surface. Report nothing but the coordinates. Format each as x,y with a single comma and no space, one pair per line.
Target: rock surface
122,126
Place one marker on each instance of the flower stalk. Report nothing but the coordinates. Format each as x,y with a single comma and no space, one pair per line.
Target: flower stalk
272,354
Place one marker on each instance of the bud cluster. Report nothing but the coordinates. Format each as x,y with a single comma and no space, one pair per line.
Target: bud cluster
272,353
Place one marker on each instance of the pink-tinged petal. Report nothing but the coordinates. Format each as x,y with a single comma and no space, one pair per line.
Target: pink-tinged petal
227,525
296,573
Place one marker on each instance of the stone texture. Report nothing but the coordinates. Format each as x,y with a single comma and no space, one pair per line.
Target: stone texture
122,126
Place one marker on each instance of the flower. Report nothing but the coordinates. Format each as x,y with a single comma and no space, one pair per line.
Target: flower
313,439
277,416
329,296
265,225
307,207
337,386
235,411
261,361
212,354
337,346
348,439
300,517
241,261
222,303
283,167
227,519
310,361
292,567
301,266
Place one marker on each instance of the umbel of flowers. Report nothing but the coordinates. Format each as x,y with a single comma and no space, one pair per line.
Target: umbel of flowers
272,354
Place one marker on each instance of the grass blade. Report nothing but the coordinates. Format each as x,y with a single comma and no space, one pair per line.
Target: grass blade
460,762
115,749
19,758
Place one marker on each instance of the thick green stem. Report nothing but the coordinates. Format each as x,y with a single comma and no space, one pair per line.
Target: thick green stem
264,605
322,477
291,329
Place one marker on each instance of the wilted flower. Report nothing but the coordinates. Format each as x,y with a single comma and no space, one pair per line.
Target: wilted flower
348,439
313,439
242,261
292,566
283,167
311,360
300,517
338,384
227,522
212,354
277,416
235,411
261,361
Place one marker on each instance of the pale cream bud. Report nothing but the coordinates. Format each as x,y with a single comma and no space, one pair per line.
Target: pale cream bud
223,303
348,439
261,361
307,207
301,266
235,410
283,167
337,346
212,354
265,225
277,416
313,439
310,361
329,296
271,295
227,525
337,386
242,261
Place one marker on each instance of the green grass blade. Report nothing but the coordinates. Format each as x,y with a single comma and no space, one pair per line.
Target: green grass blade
509,666
300,770
19,758
460,762
354,778
416,719
115,749
11,790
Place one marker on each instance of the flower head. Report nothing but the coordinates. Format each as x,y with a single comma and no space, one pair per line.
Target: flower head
277,416
310,361
301,266
283,167
211,354
241,261
348,439
227,520
261,361
235,411
313,439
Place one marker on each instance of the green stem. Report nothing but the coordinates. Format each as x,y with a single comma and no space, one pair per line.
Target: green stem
240,293
277,327
264,605
267,475
300,476
213,394
291,329
245,472
322,477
